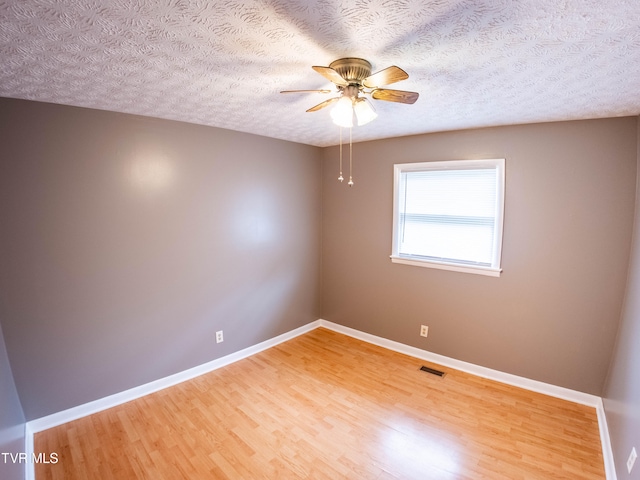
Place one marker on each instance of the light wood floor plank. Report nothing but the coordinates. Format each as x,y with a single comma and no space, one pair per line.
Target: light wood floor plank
327,406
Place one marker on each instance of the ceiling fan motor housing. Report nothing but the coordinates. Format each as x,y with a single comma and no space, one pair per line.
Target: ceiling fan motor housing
352,75
353,70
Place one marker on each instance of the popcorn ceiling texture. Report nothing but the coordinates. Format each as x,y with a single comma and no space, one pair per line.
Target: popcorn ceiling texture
475,63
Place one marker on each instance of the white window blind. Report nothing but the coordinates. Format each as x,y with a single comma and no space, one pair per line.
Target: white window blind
449,213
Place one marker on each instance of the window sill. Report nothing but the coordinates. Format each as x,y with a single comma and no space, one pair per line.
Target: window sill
489,271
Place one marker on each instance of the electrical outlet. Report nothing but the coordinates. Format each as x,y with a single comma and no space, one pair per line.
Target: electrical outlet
424,331
632,459
219,337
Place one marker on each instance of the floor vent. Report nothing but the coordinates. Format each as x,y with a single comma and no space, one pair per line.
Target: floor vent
432,371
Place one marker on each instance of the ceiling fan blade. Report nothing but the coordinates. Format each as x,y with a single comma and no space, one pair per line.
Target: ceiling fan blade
399,96
326,103
306,91
331,75
385,77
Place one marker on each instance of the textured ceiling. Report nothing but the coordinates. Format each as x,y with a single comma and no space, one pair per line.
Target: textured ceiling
475,63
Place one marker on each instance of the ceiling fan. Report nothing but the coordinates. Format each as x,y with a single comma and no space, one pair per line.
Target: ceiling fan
353,80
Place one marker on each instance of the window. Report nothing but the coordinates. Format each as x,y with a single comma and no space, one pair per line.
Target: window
448,215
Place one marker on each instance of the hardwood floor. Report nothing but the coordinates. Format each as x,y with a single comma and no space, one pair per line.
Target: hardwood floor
327,406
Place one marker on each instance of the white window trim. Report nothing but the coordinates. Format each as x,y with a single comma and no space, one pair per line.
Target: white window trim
495,270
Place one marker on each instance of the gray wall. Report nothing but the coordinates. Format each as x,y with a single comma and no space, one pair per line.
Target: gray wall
12,436
622,392
128,242
553,314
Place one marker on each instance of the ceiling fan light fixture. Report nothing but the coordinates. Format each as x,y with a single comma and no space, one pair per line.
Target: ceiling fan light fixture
353,80
364,111
342,113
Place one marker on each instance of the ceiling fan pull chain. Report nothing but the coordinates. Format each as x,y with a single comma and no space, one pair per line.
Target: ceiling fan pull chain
350,182
341,178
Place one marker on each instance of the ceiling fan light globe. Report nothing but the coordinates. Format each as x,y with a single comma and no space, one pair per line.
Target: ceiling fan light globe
342,113
345,122
364,111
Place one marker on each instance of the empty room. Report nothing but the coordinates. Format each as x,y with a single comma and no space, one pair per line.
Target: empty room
273,239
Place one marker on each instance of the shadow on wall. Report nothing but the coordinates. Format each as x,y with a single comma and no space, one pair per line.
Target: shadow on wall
12,438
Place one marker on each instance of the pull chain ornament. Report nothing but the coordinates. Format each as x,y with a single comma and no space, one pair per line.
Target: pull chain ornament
350,182
341,178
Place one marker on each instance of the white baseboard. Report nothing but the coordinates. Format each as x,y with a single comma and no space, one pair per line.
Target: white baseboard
509,379
502,377
29,472
605,439
90,408
34,426
80,411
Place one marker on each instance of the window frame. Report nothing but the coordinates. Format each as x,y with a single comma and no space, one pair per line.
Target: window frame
495,269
